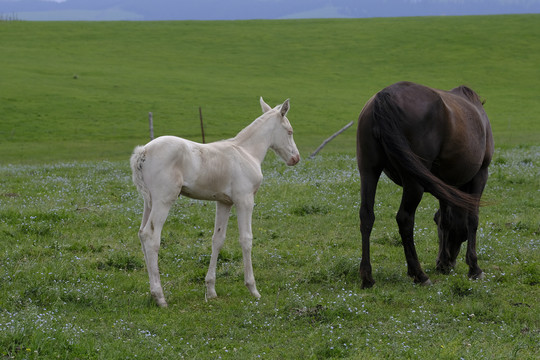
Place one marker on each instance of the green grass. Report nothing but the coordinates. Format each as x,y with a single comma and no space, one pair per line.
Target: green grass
75,99
74,284
83,90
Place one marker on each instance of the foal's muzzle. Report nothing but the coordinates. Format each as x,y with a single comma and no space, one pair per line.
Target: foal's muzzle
294,160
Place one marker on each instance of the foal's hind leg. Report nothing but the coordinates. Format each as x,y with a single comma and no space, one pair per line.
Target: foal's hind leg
412,194
150,236
218,239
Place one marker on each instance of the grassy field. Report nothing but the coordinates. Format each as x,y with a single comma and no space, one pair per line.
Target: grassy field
76,91
75,99
74,284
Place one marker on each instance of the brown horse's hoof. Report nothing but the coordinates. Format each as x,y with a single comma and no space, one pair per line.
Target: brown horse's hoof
443,269
366,284
423,281
480,276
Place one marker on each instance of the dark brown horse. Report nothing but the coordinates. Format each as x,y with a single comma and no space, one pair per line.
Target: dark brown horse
425,140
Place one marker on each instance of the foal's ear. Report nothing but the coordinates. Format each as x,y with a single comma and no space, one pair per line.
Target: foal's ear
285,108
264,106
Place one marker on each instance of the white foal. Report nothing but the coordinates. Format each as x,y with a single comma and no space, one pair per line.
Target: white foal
228,172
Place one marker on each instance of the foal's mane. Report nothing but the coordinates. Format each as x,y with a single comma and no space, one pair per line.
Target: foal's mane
469,94
248,130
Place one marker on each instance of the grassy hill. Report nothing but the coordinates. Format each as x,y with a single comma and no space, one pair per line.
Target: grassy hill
83,90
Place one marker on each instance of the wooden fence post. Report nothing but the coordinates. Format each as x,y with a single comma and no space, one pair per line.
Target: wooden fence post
202,126
151,125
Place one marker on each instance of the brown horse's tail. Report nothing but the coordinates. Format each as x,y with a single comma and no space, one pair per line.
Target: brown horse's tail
386,116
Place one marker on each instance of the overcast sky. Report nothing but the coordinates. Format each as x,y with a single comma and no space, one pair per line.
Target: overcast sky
252,9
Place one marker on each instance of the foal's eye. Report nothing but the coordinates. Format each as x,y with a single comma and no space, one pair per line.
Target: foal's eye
290,132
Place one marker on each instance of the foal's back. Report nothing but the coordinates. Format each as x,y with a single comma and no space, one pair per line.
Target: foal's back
199,171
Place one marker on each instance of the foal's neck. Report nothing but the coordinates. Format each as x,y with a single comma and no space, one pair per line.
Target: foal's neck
255,139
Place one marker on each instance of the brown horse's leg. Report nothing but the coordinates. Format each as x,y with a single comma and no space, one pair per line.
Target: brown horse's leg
442,218
471,258
476,186
369,181
412,194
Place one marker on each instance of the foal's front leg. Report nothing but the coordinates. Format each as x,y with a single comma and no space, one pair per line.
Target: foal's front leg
218,239
244,212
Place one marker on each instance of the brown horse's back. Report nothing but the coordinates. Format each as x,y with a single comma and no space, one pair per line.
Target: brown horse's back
448,130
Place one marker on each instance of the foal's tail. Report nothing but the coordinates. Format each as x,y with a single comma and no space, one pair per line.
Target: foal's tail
387,117
137,160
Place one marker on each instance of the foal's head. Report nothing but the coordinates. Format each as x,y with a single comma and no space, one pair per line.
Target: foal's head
282,135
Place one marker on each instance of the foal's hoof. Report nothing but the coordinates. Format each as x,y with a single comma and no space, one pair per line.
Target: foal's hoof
159,299
426,283
252,289
210,294
161,303
256,294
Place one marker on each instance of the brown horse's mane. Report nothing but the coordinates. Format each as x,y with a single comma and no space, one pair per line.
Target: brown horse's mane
469,94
